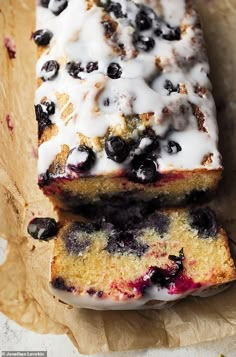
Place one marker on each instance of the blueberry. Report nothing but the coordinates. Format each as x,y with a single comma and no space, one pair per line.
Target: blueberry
42,37
91,66
158,31
44,3
114,70
143,43
115,8
81,159
49,70
143,21
42,118
125,242
172,34
164,277
106,102
173,147
170,87
158,276
74,68
77,236
116,148
143,169
204,221
43,228
149,141
50,107
58,6
59,283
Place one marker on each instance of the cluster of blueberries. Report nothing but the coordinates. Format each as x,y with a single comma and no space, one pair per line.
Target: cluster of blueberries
143,165
121,241
146,20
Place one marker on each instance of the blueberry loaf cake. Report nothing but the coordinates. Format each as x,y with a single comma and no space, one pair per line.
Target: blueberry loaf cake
124,102
168,255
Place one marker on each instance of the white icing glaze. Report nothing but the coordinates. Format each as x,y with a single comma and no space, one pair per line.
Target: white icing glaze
161,295
78,35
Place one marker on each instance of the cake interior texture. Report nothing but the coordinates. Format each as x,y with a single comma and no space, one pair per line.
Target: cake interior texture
164,257
129,109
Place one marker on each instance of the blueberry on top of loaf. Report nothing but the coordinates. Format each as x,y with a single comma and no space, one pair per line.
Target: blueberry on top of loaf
117,69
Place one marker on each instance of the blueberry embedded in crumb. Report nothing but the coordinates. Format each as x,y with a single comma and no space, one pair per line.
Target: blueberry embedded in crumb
74,69
173,147
115,8
92,66
43,228
143,169
172,34
114,70
42,118
120,242
116,148
170,87
143,43
143,21
42,37
59,283
204,221
49,70
164,277
81,159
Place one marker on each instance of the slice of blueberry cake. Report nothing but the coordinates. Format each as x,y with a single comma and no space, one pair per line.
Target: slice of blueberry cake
124,103
146,263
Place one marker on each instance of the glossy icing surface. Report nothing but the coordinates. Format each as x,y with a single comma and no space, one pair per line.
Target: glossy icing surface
159,88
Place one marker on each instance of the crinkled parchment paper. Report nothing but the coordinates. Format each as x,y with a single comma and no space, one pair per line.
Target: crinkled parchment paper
24,294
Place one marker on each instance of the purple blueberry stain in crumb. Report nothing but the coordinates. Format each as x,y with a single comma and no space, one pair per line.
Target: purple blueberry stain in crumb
159,221
204,221
120,242
74,69
42,37
11,47
9,123
77,237
116,149
81,159
114,70
42,228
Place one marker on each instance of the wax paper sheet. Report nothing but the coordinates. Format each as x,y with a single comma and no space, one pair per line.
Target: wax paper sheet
24,294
